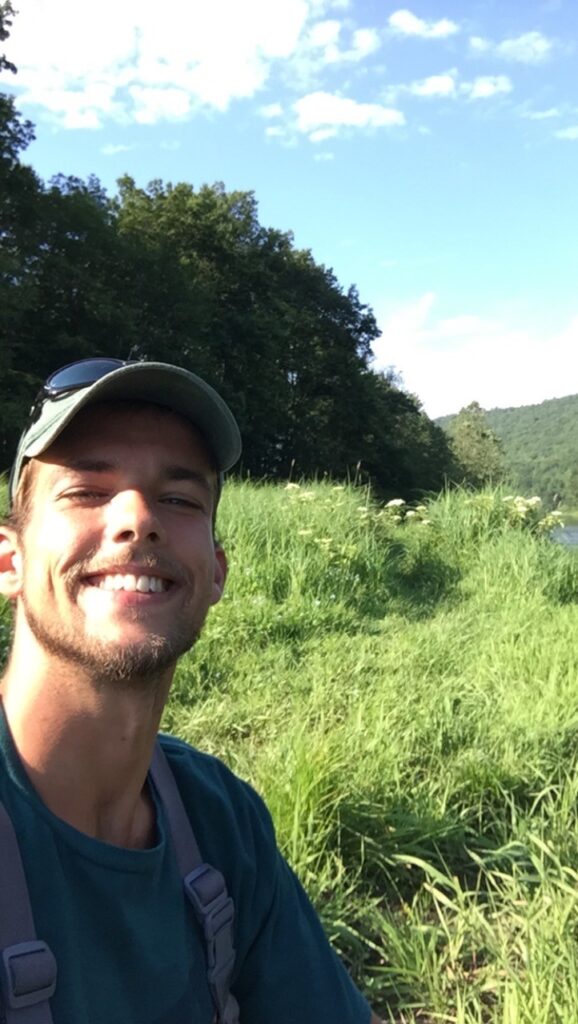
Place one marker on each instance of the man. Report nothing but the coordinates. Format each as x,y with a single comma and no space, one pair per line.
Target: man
110,561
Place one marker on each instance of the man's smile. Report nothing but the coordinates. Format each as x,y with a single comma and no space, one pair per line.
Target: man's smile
130,582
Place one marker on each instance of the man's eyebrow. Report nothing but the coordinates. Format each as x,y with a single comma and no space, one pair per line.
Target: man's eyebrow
177,473
173,473
88,465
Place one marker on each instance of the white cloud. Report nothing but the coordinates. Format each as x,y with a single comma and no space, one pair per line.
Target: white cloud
568,133
446,85
324,33
81,106
326,45
321,110
529,48
365,42
435,85
486,86
449,362
111,150
318,157
152,105
542,115
84,65
479,44
271,110
405,23
322,134
274,131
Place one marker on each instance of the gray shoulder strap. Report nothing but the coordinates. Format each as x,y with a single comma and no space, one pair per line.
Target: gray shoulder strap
205,888
27,967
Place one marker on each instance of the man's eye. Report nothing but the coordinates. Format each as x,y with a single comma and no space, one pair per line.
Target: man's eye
179,500
84,494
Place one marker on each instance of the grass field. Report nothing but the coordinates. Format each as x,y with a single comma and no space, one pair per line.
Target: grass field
402,689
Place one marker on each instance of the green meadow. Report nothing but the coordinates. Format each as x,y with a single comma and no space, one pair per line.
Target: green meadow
401,685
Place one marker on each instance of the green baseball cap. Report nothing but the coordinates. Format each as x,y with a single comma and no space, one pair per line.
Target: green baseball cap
80,384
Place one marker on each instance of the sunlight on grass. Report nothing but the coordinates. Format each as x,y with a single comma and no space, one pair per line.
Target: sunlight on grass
400,684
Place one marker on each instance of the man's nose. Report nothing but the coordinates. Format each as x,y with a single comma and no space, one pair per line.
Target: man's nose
134,518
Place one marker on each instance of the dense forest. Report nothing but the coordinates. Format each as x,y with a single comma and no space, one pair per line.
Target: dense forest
189,275
539,447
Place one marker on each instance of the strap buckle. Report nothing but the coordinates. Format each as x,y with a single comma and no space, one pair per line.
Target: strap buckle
27,974
205,888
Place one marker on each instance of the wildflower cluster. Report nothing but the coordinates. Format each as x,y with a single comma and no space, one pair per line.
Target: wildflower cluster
395,513
527,512
496,512
318,504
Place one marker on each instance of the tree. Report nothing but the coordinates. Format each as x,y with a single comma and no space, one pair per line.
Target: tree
477,450
191,276
7,12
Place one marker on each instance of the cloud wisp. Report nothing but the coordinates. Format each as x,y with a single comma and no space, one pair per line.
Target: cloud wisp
405,23
321,115
542,115
449,362
528,48
568,134
448,86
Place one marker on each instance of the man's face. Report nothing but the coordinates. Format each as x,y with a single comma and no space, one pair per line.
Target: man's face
119,565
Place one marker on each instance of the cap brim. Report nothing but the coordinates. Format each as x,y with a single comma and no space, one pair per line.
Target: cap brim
159,383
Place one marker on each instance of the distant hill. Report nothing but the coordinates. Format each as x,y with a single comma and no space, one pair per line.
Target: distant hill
540,447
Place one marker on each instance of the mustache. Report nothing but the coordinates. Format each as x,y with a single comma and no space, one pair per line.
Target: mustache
147,561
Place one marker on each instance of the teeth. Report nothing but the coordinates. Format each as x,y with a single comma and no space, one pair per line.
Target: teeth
130,583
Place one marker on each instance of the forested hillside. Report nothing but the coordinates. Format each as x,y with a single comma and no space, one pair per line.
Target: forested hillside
539,443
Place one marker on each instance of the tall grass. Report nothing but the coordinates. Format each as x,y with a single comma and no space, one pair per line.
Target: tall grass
402,689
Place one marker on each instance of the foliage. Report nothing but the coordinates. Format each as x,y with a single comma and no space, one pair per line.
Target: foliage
539,443
191,276
402,690
7,12
477,450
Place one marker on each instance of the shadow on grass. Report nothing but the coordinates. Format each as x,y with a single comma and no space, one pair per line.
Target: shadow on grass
412,582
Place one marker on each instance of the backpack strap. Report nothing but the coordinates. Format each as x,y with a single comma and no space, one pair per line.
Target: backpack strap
27,966
205,888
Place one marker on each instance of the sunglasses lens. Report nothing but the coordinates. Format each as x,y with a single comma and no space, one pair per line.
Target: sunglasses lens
78,375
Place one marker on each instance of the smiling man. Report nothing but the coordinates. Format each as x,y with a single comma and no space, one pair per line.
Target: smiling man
110,561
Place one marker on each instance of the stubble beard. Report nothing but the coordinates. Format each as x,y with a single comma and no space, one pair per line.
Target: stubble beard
137,666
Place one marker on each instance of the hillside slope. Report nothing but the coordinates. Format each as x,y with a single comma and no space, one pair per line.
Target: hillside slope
540,446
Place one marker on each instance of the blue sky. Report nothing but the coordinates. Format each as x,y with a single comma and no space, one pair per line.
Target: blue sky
428,154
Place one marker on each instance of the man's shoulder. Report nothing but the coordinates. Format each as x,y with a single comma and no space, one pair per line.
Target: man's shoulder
199,768
218,802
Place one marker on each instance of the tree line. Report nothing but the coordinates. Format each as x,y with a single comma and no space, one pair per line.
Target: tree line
532,449
540,447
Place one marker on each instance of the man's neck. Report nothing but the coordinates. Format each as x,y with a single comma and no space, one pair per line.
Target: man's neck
86,747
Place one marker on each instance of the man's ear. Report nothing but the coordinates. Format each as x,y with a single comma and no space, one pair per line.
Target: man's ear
220,576
10,564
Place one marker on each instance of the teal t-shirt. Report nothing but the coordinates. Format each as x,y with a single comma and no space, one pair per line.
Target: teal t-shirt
127,945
